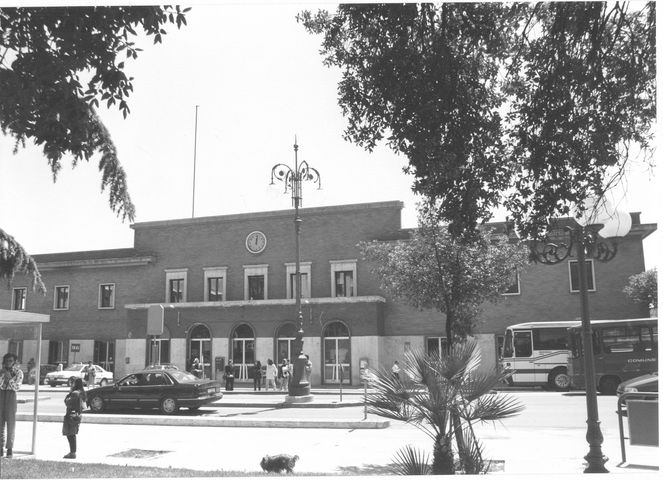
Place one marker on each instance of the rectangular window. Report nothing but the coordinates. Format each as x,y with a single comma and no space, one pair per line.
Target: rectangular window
215,289
344,284
626,339
107,295
255,282
176,285
256,287
176,290
305,285
19,297
514,289
550,339
574,275
522,344
61,297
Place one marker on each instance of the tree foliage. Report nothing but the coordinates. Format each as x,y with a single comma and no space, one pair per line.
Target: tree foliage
434,269
444,396
529,105
643,288
56,66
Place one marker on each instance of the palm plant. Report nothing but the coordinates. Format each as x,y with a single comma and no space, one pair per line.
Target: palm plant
444,396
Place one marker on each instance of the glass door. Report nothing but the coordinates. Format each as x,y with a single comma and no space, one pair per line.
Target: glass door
337,360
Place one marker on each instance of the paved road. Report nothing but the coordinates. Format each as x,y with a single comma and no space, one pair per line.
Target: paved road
548,437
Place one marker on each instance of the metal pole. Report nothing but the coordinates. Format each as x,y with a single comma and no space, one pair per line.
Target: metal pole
365,399
36,399
595,458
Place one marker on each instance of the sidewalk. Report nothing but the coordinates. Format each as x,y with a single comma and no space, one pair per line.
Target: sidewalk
522,444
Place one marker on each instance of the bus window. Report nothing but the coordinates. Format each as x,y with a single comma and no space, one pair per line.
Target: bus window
550,339
621,339
522,343
508,344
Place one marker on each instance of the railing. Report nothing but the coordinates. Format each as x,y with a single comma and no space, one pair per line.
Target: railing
642,412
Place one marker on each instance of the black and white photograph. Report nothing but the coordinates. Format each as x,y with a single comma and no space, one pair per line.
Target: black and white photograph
245,239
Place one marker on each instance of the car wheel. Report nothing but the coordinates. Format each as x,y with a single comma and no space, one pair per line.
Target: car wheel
559,379
103,382
608,385
71,381
53,384
96,404
168,405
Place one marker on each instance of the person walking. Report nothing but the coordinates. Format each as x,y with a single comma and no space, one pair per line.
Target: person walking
90,375
74,402
396,371
270,375
257,376
11,378
229,375
285,369
196,369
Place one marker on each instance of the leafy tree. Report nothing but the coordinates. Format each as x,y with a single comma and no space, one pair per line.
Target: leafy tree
433,269
444,397
56,66
533,105
643,288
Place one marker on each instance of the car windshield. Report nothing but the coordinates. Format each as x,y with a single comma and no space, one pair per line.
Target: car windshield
73,368
183,377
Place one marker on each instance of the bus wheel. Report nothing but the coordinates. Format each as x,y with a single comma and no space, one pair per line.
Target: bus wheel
559,379
608,385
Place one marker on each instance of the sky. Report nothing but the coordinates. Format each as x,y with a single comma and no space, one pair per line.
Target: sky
258,80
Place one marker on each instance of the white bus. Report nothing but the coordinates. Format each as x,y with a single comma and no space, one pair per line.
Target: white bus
536,353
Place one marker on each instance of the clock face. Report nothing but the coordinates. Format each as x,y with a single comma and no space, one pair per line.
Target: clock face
256,242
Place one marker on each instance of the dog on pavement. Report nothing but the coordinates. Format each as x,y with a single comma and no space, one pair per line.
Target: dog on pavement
278,463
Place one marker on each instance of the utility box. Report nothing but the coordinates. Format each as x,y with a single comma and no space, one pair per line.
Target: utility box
219,365
642,422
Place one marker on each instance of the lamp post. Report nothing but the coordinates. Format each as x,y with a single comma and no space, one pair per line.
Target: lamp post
292,179
585,242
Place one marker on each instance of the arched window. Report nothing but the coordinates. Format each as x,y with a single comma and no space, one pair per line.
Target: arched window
285,336
336,345
243,352
200,347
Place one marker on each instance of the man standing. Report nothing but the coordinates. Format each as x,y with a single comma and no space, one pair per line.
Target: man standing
11,378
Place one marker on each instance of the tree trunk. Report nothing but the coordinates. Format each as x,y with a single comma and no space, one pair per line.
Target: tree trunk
443,457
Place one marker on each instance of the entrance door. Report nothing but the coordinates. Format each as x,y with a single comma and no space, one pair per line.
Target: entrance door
523,363
200,347
104,354
243,351
337,354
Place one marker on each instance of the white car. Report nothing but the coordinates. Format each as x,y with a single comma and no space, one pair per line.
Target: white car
77,370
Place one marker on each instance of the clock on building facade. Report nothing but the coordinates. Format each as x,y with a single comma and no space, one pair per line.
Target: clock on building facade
256,242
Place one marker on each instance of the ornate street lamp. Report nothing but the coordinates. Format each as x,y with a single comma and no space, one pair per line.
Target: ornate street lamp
292,179
587,240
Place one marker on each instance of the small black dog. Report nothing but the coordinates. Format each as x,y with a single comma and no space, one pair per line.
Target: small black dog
278,463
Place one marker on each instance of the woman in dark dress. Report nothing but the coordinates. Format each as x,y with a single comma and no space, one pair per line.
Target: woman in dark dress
72,418
257,376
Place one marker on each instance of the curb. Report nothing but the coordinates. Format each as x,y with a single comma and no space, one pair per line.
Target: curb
213,421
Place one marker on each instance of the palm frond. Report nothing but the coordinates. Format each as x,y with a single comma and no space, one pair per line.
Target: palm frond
411,461
471,455
492,407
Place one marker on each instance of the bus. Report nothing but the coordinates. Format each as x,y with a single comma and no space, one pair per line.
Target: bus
536,353
623,349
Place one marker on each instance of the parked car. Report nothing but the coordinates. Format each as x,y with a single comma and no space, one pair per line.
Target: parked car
165,389
643,383
162,366
72,372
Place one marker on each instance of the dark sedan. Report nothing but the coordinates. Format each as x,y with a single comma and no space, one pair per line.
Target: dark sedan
167,390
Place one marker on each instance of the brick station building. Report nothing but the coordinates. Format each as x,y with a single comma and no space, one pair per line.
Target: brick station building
227,287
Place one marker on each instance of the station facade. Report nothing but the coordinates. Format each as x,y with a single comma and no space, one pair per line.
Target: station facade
227,286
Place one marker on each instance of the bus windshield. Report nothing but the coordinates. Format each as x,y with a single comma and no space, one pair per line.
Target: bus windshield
508,344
